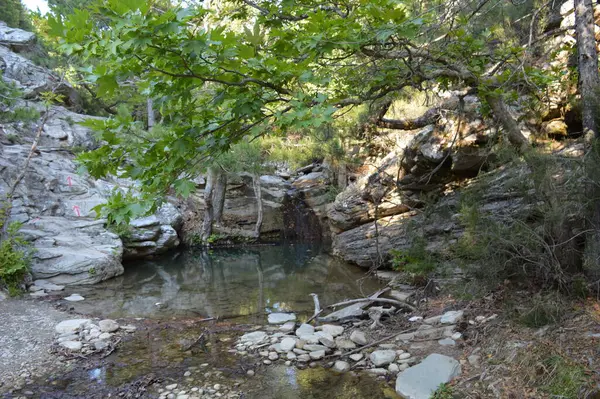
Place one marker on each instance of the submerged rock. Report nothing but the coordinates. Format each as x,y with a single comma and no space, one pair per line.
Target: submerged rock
422,380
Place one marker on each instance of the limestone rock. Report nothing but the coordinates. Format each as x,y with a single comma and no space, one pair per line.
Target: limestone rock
288,327
358,337
452,317
305,329
74,298
382,357
316,355
333,330
287,344
71,326
108,325
254,338
280,318
72,345
14,38
326,339
343,343
341,367
422,380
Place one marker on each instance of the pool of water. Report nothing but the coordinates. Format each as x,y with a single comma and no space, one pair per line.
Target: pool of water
170,298
227,283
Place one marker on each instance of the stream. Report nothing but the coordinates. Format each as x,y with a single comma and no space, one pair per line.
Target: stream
170,299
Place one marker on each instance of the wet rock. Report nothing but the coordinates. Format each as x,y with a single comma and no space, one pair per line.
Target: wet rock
74,298
108,325
356,356
382,357
47,286
287,344
71,345
343,343
452,317
280,318
316,355
71,326
341,367
422,380
333,330
326,339
358,337
254,338
305,329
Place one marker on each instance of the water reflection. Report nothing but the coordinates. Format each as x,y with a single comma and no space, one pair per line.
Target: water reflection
227,283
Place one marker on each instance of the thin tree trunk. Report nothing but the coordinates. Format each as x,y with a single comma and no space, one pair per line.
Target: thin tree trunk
342,177
587,58
511,128
259,204
206,229
220,186
589,83
150,106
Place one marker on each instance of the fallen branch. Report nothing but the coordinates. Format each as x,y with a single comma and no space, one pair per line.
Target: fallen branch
194,343
382,300
112,349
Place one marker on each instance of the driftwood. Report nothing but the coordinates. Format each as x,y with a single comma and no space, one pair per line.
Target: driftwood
370,299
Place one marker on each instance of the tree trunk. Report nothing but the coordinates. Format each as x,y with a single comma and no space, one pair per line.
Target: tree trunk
589,83
587,59
206,229
259,204
150,107
220,186
512,131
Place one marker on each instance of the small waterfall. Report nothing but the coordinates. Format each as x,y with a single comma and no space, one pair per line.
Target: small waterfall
299,220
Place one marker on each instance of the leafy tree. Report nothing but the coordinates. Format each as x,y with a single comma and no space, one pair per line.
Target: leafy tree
14,13
236,69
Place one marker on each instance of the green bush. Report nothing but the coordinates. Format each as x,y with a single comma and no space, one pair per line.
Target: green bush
15,258
415,260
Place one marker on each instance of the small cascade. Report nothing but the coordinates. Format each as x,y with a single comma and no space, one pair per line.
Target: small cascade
299,220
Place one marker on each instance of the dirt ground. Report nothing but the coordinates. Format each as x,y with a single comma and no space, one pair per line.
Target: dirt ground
26,336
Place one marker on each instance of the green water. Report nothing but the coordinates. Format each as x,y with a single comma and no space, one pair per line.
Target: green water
168,299
227,283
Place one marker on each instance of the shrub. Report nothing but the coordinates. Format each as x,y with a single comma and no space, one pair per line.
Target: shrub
415,260
15,258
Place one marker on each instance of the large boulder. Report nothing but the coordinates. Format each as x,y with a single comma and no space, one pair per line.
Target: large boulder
14,38
421,381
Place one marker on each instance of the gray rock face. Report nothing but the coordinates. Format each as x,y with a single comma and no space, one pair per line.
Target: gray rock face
15,39
154,234
422,380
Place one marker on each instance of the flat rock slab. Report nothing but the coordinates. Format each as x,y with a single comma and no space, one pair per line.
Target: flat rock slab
452,317
422,380
382,357
352,311
280,318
